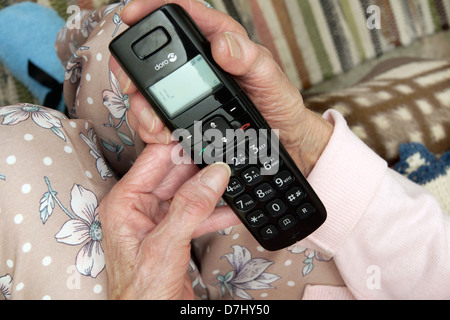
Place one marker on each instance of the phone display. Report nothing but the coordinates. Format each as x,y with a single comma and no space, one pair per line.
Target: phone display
175,94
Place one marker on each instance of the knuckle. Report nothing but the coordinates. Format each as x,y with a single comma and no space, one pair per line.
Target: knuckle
265,52
194,202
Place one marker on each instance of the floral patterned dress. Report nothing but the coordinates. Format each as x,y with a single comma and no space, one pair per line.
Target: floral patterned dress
54,171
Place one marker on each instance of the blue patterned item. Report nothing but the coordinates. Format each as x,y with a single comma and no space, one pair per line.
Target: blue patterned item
418,164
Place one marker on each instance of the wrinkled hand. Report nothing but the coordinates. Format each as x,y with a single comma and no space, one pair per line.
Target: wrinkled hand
147,237
304,134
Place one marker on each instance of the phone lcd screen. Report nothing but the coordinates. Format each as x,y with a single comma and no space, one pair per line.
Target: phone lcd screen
185,87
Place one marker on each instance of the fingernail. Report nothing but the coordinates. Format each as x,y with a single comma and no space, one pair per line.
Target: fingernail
233,46
216,176
165,137
148,119
127,86
121,10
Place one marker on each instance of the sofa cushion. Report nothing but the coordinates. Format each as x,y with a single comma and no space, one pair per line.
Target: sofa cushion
315,40
403,100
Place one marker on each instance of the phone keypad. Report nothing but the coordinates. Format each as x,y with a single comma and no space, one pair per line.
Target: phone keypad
262,189
272,203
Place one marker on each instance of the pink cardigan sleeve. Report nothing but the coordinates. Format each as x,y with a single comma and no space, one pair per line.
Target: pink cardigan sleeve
388,236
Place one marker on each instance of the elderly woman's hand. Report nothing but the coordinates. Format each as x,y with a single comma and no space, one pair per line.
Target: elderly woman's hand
149,219
304,134
146,238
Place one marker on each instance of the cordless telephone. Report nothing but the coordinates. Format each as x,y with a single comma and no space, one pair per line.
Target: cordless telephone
169,60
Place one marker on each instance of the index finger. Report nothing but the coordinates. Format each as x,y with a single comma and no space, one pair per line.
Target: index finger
210,21
151,167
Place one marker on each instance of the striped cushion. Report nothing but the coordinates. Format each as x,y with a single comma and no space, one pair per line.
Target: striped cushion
402,100
314,40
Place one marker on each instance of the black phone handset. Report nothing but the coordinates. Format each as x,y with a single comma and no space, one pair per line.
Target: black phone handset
170,61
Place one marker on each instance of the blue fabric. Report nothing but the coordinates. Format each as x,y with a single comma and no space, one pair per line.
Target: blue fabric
431,167
28,33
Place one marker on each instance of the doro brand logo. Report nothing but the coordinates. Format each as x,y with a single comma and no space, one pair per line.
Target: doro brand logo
172,57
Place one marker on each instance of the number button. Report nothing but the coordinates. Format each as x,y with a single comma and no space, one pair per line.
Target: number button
271,165
283,180
257,147
269,232
252,176
245,203
276,207
257,219
264,192
234,187
287,222
295,195
237,159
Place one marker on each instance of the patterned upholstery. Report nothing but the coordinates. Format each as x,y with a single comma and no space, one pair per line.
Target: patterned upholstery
314,40
402,101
